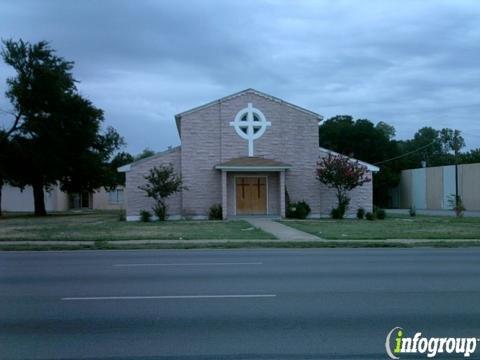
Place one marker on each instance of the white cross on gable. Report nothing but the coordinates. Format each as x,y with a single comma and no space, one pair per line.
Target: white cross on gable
250,124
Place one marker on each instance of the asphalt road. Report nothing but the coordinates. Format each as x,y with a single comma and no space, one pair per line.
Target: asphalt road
242,304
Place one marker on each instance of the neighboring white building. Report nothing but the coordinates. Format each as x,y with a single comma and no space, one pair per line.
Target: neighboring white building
432,188
14,199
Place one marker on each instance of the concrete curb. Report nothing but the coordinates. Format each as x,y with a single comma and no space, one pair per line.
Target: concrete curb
220,241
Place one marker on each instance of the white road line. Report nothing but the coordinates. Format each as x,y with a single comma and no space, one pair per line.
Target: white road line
192,264
166,297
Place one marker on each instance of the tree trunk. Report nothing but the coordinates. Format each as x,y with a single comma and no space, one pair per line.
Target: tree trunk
39,199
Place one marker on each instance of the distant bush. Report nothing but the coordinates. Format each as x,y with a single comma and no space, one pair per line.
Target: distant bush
298,210
381,214
215,212
370,216
412,211
337,213
360,213
145,216
122,216
456,203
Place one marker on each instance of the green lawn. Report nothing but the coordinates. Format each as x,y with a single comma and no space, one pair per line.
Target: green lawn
394,227
106,226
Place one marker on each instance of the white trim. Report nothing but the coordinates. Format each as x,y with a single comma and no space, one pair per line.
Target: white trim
246,91
252,168
250,124
235,192
369,166
178,117
128,167
124,168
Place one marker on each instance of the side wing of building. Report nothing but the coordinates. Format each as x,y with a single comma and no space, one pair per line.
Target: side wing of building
136,199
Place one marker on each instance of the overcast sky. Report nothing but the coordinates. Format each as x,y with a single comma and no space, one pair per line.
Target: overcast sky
410,64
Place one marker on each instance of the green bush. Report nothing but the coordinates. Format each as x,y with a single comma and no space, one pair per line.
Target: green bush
370,216
215,212
145,216
456,203
412,211
360,213
122,216
381,214
298,210
337,213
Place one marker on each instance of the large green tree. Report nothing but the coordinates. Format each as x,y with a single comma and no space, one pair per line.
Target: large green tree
364,140
56,133
376,144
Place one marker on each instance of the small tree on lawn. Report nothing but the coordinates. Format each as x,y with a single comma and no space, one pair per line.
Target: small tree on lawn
342,174
161,183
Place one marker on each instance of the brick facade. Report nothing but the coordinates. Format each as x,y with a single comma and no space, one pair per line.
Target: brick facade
208,140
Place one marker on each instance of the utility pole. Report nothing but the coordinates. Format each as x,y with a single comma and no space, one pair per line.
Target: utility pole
456,177
457,143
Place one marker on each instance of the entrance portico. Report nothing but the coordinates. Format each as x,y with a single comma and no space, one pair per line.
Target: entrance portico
253,186
245,151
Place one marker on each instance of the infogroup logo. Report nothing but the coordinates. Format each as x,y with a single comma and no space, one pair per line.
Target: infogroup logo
397,344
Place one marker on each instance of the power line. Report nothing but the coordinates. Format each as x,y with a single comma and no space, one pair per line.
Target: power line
406,154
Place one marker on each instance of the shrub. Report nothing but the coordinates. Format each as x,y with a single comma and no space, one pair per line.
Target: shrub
215,212
303,209
412,211
380,214
162,182
456,203
122,216
145,216
360,213
342,174
298,210
370,216
337,213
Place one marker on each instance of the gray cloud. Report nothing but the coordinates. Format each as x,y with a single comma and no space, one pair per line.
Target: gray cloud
408,63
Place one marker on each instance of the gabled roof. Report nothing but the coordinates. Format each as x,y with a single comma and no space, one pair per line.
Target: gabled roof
246,91
369,166
128,167
252,163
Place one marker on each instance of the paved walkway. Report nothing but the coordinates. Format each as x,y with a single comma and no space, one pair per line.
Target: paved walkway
280,231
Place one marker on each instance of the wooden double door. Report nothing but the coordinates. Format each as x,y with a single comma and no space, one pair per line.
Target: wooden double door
251,195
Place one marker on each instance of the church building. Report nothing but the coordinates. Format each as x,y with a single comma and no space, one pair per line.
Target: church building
250,152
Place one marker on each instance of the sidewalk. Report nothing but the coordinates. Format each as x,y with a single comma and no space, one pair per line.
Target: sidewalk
280,231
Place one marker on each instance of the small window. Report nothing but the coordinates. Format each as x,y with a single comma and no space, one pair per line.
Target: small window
115,196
